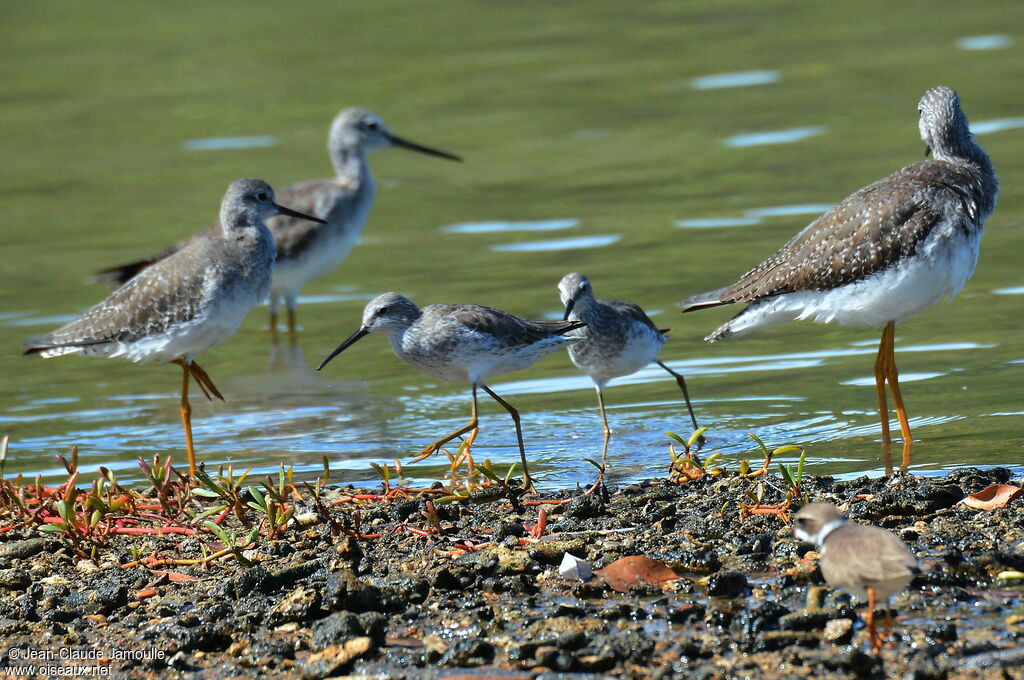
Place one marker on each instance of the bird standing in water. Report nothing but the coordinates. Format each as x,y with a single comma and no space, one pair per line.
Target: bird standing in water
187,302
307,251
619,339
883,254
462,343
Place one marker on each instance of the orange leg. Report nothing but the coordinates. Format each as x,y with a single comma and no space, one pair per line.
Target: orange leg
876,642
186,416
519,434
435,446
892,376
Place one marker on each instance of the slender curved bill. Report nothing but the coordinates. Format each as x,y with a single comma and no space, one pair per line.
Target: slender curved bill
568,309
295,213
413,146
352,339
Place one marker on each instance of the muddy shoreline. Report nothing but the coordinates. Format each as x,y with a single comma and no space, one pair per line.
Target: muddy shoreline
396,588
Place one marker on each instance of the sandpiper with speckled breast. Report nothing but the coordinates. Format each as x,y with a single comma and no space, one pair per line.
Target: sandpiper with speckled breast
462,343
186,302
307,251
883,254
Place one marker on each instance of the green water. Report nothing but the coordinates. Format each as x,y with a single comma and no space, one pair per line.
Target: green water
561,110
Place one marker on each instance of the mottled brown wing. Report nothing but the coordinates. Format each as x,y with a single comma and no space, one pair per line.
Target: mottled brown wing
510,328
864,234
162,296
316,197
631,311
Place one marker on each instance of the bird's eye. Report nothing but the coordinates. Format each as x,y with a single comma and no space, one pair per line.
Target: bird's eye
262,196
372,125
381,311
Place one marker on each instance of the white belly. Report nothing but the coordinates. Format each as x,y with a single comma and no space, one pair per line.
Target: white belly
939,270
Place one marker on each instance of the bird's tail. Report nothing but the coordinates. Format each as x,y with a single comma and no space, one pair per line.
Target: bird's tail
121,274
713,298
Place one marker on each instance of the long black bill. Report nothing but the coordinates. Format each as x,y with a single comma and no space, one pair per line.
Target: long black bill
412,146
568,309
295,213
352,339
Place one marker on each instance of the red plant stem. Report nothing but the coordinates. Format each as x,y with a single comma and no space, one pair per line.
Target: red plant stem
152,530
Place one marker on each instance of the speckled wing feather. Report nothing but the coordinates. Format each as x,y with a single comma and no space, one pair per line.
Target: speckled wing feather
167,294
865,234
510,328
313,197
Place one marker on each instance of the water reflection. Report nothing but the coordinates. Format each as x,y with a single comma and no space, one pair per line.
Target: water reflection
740,79
217,143
500,227
557,244
774,136
984,127
715,222
984,42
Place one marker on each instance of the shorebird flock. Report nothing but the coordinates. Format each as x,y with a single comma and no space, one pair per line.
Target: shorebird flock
886,252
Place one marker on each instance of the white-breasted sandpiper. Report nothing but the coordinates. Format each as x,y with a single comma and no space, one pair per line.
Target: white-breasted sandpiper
308,251
618,340
462,343
186,302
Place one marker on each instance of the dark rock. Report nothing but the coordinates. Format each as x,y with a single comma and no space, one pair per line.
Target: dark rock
755,545
374,625
336,628
586,507
14,579
22,549
805,620
763,618
468,652
507,529
727,584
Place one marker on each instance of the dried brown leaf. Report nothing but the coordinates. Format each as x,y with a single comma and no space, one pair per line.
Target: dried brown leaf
623,574
992,497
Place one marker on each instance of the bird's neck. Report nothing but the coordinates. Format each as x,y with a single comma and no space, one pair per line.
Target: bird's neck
351,167
826,530
956,144
583,308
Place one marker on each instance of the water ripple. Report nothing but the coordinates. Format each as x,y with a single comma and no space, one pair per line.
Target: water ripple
985,42
774,136
503,227
739,79
217,143
557,244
